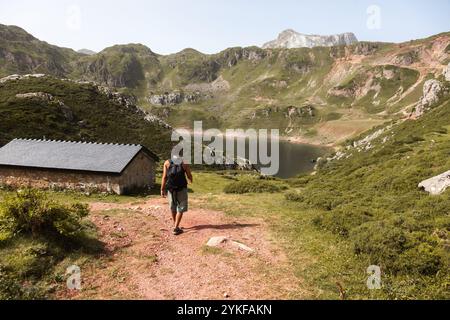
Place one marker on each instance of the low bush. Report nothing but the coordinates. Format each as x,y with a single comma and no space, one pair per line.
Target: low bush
30,212
293,195
36,234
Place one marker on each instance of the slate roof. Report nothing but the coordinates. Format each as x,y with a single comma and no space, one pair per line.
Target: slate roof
68,155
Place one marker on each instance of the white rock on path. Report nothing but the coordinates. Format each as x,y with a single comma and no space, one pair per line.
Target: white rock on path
241,246
216,241
436,185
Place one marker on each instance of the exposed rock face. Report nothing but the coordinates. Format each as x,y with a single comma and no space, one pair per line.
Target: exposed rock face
129,102
218,85
432,91
66,110
124,100
39,95
407,58
447,73
174,98
291,112
19,77
231,57
292,39
436,185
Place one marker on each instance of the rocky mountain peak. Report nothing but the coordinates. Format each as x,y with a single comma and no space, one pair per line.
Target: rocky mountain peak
292,39
87,52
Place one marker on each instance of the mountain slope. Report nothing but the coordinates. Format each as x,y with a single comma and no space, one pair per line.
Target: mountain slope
22,53
65,110
319,95
119,66
289,39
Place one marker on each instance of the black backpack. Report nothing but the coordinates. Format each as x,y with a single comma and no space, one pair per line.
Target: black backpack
176,177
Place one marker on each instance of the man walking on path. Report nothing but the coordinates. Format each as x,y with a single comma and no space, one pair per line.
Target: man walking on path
176,175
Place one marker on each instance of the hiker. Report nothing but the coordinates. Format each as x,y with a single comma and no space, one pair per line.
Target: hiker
176,175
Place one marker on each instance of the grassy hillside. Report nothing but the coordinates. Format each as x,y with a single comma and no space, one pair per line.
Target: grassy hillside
76,112
371,200
21,53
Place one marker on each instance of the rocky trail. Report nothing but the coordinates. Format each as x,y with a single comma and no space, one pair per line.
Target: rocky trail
143,260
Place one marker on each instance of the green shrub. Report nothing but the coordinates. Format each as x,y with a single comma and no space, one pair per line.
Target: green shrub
293,195
422,259
380,241
300,181
30,212
344,219
251,185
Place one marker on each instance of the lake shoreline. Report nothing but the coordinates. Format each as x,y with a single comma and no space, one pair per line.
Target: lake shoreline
295,140
294,158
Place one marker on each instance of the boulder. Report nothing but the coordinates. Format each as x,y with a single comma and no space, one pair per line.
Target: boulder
436,185
447,72
432,91
216,241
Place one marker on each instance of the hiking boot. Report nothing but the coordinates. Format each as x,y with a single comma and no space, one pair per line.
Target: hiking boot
177,231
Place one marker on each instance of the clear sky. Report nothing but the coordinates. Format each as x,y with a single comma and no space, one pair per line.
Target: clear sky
168,26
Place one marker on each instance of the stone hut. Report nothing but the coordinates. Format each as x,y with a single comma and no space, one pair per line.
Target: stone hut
83,166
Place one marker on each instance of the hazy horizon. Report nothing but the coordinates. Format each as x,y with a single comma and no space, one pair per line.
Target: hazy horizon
211,26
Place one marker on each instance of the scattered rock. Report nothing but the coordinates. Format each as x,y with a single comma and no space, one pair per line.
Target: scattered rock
366,143
436,185
241,246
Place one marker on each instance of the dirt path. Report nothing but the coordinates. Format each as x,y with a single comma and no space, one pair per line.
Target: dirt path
145,261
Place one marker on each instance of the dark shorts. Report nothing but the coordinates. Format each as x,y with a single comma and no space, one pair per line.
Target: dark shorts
178,201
